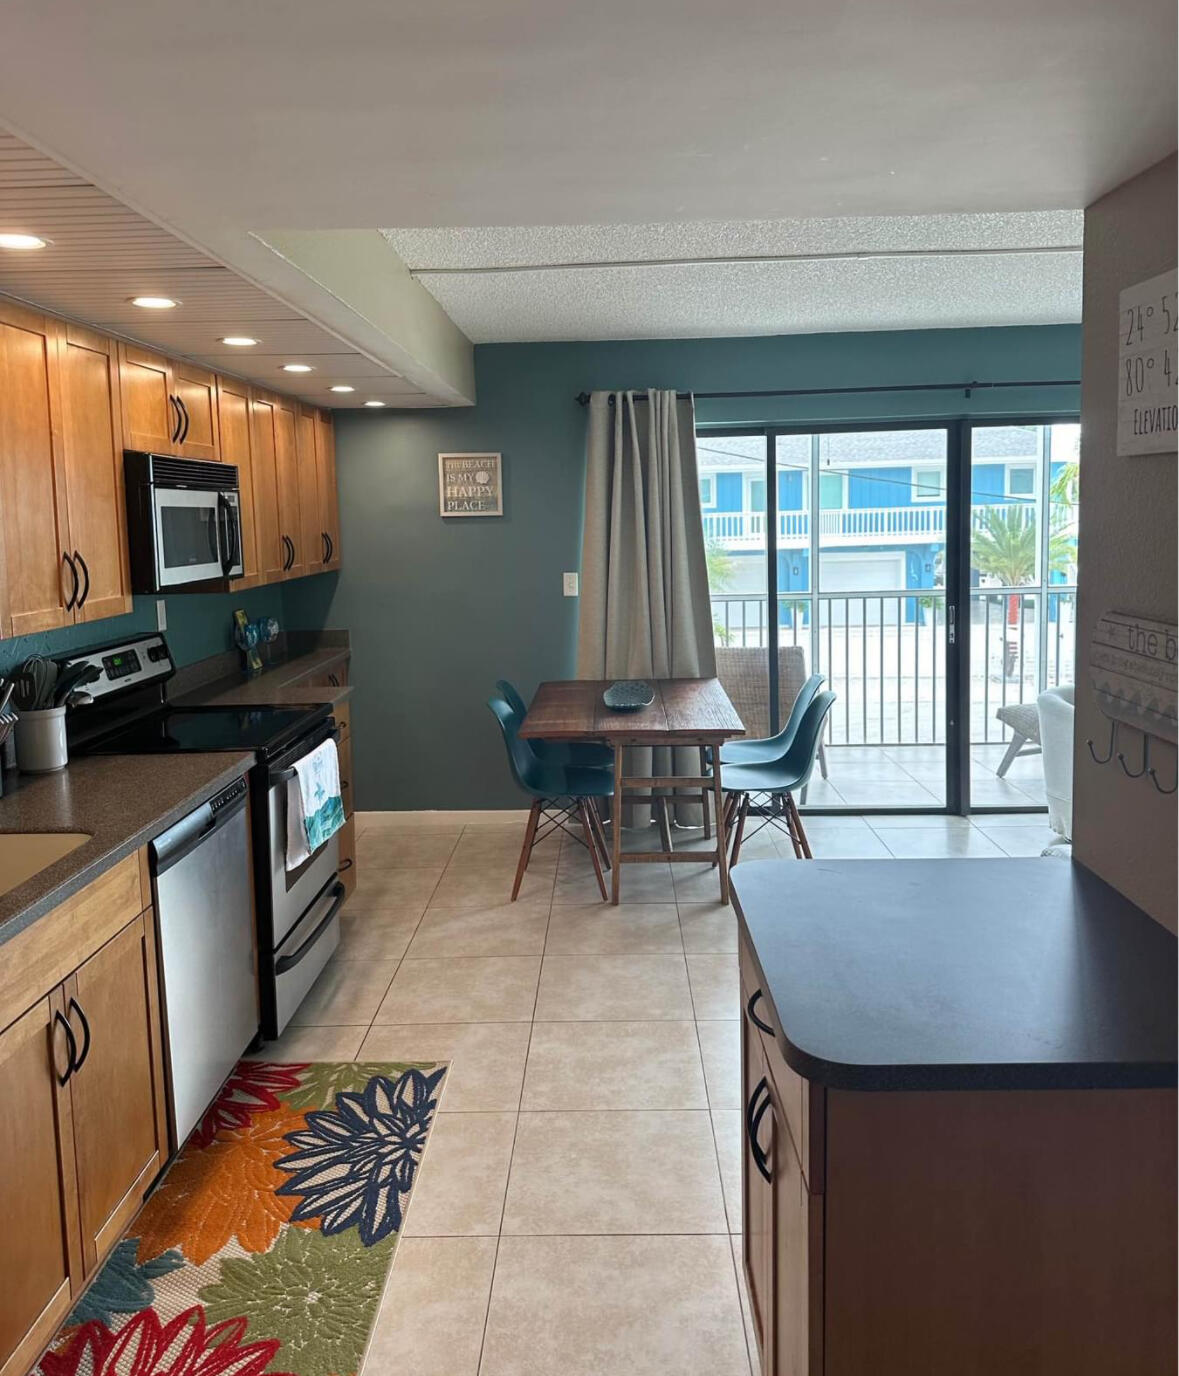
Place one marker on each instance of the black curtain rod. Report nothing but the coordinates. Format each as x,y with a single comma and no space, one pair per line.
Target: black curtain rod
967,387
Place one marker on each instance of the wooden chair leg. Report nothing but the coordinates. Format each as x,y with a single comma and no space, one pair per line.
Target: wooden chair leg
526,848
739,834
591,842
664,822
599,831
799,829
704,794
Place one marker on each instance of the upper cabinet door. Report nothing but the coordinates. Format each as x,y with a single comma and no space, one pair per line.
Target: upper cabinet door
329,499
233,424
313,546
43,1267
194,391
272,550
287,470
38,587
92,455
151,417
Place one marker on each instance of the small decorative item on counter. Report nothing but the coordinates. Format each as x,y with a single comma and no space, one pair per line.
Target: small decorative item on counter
245,634
41,740
268,629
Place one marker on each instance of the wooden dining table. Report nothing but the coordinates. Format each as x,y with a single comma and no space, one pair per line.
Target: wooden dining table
685,712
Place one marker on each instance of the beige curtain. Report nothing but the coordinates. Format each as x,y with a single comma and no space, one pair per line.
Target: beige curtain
645,611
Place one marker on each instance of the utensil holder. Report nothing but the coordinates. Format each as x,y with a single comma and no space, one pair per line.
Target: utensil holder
41,741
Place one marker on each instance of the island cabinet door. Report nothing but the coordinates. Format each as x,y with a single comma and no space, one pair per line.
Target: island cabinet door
757,1192
117,1086
40,1261
797,1323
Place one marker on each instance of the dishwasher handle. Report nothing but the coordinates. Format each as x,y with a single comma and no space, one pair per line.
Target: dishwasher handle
180,840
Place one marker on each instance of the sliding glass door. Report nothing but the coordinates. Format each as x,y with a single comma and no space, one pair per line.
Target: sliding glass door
928,572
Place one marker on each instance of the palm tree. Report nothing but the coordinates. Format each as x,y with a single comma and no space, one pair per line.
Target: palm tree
1003,547
719,563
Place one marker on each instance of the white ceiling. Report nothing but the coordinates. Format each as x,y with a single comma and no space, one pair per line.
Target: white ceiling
226,120
922,272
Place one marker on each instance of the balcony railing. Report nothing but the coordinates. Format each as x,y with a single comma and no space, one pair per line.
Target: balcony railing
884,654
918,524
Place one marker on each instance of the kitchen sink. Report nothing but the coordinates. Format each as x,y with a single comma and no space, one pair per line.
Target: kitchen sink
24,853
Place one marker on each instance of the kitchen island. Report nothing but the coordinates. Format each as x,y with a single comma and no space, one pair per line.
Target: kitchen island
959,1146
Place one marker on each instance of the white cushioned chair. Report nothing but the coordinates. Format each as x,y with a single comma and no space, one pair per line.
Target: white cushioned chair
1056,710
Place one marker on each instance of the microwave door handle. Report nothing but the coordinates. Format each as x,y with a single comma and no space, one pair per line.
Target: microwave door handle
224,536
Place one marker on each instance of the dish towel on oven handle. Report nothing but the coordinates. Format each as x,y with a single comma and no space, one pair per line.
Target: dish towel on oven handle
315,808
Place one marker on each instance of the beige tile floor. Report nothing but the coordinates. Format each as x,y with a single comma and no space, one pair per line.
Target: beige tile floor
577,1206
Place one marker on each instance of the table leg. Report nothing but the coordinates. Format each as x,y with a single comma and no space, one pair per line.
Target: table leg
616,839
722,857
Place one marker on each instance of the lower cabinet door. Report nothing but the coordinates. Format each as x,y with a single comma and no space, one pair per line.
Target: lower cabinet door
348,856
796,1321
40,1257
120,1126
757,1192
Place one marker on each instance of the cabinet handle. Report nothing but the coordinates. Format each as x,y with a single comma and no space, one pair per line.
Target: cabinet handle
184,420
331,549
172,402
72,600
71,1045
290,544
753,1018
345,865
86,576
324,541
75,1007
754,1113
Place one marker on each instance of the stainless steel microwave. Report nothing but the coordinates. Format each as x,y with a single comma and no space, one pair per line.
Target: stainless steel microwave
183,523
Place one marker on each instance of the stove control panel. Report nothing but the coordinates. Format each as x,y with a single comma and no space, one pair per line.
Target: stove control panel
125,665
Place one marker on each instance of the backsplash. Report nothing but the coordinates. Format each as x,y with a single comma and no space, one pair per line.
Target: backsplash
199,624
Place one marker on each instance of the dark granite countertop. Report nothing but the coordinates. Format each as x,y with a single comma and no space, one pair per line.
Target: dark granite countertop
277,686
960,974
121,801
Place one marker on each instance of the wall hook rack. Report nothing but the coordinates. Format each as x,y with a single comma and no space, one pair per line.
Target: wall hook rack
1109,754
1137,773
1154,779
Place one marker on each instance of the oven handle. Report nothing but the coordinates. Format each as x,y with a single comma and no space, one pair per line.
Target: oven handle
285,963
281,776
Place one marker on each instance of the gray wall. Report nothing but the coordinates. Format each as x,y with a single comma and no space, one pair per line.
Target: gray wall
439,610
1123,828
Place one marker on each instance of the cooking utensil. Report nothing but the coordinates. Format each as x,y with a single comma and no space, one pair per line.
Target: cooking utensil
74,676
6,695
33,683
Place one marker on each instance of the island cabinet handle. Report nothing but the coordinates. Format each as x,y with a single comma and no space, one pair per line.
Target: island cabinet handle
75,1007
757,1022
71,1047
754,1113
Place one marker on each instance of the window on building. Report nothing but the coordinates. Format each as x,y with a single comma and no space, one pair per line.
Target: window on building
832,491
1021,480
708,489
756,494
928,485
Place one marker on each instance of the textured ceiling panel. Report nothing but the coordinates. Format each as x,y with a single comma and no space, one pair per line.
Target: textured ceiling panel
101,253
763,298
529,244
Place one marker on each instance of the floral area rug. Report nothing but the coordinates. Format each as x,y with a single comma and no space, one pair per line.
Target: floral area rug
267,1243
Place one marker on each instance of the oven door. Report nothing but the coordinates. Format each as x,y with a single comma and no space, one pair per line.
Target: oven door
187,529
292,891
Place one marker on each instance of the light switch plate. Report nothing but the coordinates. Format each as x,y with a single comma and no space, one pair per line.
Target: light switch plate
161,614
569,584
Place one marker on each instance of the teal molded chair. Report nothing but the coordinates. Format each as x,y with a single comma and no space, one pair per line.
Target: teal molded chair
774,783
592,754
771,748
559,793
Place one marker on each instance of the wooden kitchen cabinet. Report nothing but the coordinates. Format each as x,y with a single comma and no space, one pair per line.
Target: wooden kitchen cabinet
38,1193
313,541
37,585
346,790
120,1130
286,467
272,550
233,426
169,406
347,834
84,1133
92,459
329,496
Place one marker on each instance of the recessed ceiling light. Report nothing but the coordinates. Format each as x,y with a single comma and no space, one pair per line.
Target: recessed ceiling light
374,403
297,367
154,303
240,341
12,240
341,387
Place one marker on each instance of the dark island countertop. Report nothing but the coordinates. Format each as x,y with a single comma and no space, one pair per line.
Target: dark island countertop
960,974
279,685
121,801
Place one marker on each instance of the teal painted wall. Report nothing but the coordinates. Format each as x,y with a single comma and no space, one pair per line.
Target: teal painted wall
438,610
199,624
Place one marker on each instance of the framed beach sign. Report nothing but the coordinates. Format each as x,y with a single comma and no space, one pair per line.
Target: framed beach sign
470,485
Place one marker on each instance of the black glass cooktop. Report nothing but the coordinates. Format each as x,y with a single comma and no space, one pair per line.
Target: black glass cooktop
175,731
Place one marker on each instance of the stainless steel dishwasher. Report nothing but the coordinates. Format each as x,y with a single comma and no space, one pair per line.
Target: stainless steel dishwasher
204,897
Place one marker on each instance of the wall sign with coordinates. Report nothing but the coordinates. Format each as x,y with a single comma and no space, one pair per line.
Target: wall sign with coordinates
1148,367
470,485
